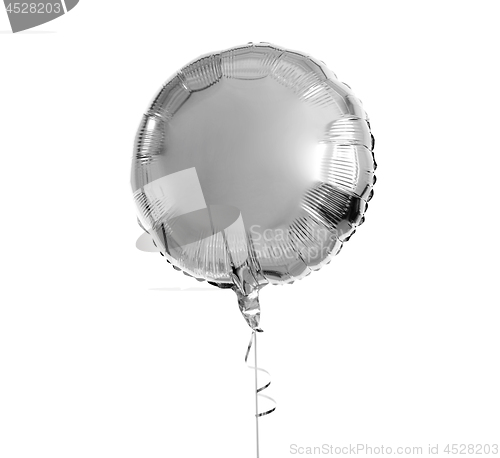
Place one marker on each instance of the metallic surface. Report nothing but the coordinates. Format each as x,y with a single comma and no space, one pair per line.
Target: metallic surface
252,166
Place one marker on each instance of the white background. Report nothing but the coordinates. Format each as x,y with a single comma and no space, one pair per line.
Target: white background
106,351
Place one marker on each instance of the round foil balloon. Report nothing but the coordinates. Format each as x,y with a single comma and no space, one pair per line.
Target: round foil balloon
252,166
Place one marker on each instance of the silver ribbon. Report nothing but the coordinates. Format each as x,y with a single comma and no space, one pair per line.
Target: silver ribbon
258,390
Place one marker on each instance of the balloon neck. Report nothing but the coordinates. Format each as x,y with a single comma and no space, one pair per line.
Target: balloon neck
250,308
247,289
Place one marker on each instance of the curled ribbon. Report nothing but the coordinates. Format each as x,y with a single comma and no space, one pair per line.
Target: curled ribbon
256,369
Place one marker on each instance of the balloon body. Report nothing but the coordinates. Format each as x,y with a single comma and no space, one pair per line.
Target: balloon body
252,166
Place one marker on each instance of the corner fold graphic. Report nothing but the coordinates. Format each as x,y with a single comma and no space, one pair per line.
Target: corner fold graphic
70,4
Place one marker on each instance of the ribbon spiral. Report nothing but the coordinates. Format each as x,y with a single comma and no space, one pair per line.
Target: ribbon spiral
258,390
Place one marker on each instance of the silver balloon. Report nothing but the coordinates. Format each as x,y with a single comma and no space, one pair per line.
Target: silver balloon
252,166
